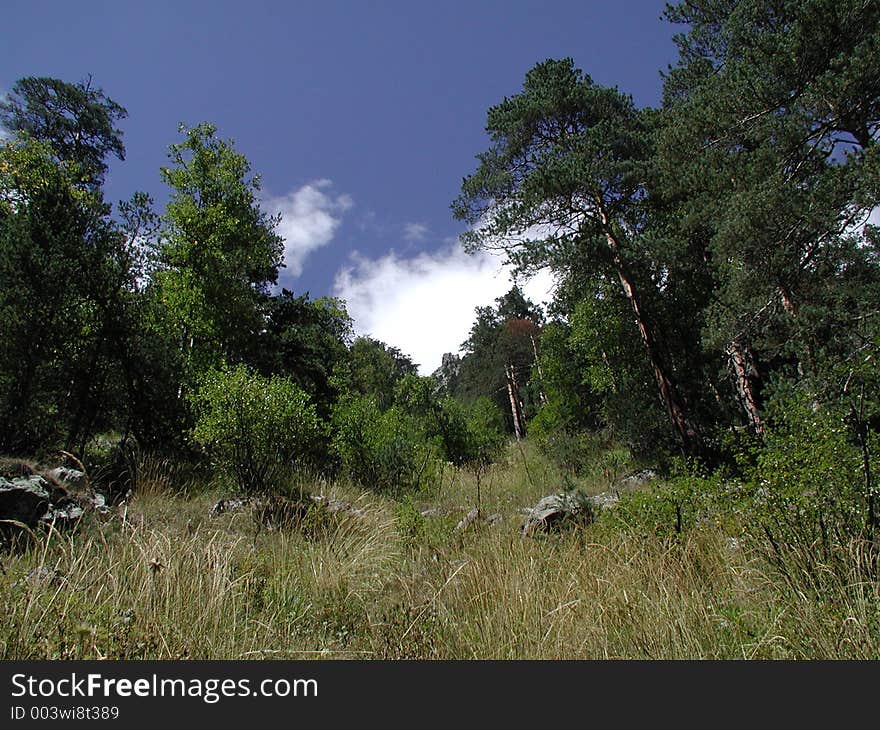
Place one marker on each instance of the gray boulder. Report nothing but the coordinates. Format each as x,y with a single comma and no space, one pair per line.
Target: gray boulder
73,478
605,500
337,506
558,510
33,500
227,506
636,480
24,499
261,504
468,520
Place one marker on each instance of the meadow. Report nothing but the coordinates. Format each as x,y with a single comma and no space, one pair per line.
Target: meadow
164,578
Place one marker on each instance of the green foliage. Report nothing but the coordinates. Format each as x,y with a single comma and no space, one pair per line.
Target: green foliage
220,251
767,156
500,355
804,497
466,435
305,340
411,524
682,503
65,302
565,185
813,485
572,453
381,450
76,120
485,439
373,369
258,429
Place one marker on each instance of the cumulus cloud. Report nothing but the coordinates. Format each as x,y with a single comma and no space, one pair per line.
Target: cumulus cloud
414,232
310,217
424,305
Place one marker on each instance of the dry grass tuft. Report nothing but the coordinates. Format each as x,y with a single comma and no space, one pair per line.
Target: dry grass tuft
165,580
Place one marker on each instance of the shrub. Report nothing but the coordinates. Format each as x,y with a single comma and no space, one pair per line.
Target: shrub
411,524
470,436
686,500
383,451
484,441
812,486
256,428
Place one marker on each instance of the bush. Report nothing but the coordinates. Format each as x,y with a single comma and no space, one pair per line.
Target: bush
687,499
384,451
470,436
256,428
804,498
484,440
812,486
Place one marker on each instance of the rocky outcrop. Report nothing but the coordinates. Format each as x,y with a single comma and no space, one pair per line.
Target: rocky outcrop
229,506
24,499
556,511
31,499
337,506
572,508
72,478
468,520
475,517
636,480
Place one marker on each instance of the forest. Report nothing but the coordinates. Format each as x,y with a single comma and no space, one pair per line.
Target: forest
676,457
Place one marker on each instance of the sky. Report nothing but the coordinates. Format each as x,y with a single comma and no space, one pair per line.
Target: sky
361,119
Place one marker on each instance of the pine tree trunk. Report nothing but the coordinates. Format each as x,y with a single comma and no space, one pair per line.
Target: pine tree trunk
788,304
687,433
541,396
514,402
739,359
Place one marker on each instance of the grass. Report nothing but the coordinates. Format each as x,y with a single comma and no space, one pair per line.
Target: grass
169,581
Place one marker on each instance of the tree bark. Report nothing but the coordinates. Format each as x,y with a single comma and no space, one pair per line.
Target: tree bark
791,308
513,394
739,359
687,433
541,395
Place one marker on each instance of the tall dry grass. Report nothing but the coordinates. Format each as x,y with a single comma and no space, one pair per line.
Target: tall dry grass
165,580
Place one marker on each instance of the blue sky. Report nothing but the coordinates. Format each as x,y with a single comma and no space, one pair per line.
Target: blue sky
362,118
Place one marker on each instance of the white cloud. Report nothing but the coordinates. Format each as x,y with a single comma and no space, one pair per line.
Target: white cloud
310,217
425,305
414,232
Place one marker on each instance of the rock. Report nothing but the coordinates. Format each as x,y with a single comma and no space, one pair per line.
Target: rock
34,499
637,479
469,519
225,506
99,503
70,477
65,514
42,577
337,506
606,500
279,506
25,499
556,510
